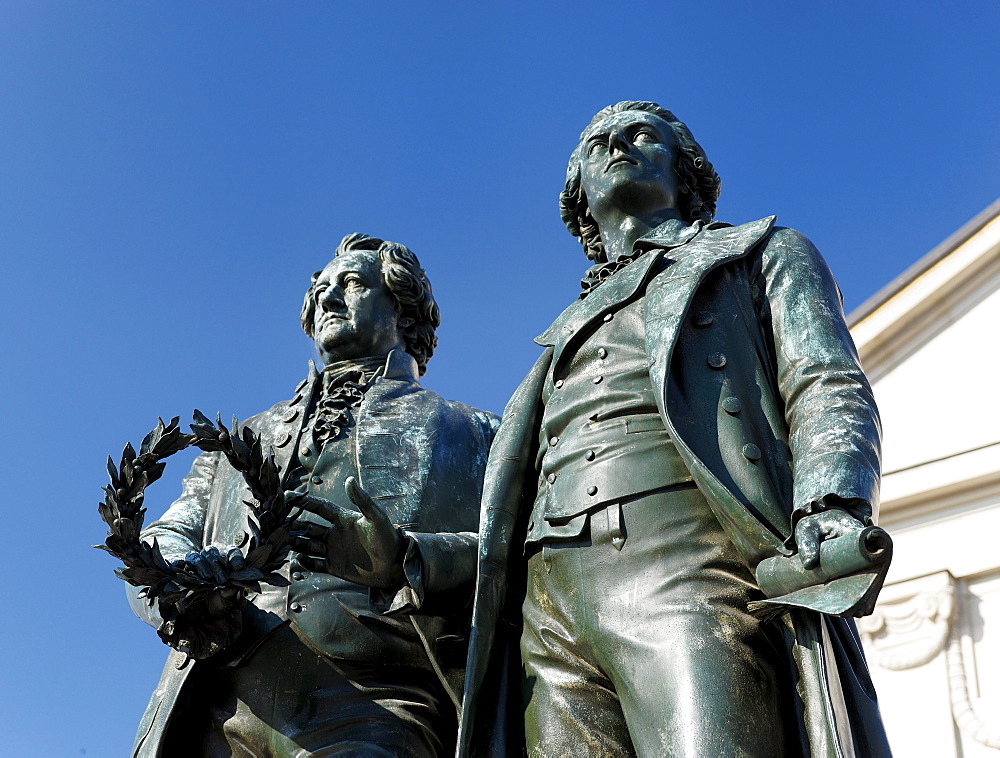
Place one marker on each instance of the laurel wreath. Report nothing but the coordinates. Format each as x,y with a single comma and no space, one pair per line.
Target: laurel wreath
200,616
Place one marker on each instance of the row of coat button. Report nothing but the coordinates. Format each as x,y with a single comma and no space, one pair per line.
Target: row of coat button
589,455
591,490
731,404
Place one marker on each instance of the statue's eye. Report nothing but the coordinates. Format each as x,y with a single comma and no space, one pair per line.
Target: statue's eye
643,136
353,280
595,147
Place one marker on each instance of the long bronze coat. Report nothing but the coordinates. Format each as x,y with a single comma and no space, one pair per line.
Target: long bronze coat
420,456
750,312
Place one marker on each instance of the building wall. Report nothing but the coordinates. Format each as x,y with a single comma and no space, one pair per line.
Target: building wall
933,643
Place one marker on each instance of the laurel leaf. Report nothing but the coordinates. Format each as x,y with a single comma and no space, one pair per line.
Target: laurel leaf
240,449
259,556
140,576
157,556
277,580
153,473
247,574
268,476
200,419
151,439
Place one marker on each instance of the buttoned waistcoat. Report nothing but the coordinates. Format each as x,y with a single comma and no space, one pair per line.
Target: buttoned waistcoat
759,386
421,457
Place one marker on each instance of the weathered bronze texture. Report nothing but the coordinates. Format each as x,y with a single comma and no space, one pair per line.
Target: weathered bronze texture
325,664
698,412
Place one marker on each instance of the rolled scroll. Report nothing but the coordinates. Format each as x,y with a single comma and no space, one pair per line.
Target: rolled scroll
846,582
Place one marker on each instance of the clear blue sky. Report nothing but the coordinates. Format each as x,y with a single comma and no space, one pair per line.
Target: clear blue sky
172,172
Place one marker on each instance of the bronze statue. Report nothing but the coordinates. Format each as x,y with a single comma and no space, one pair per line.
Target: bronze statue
317,667
698,411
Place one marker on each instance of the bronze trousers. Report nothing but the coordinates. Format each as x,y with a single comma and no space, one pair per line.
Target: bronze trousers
637,641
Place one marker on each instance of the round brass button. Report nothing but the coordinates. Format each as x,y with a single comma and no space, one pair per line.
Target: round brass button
592,490
559,384
598,379
550,478
732,405
283,439
590,455
317,480
751,452
553,441
290,415
295,607
241,539
602,353
608,317
297,576
703,318
305,451
716,360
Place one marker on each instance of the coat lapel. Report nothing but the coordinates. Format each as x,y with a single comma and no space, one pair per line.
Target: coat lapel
611,293
391,434
289,429
619,288
669,294
667,300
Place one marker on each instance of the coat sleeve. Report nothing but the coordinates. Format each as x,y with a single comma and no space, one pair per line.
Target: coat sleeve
440,571
180,530
833,423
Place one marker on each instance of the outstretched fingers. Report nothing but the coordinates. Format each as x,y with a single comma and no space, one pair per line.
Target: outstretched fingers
318,506
366,504
316,565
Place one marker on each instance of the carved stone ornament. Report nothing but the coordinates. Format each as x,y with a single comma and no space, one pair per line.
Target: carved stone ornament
968,721
911,622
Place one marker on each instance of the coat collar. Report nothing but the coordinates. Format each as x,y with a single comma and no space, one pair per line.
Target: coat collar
398,365
401,366
622,285
671,233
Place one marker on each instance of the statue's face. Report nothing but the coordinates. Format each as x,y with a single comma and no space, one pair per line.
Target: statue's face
628,163
354,315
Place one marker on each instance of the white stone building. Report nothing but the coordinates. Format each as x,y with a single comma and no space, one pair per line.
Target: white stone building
930,343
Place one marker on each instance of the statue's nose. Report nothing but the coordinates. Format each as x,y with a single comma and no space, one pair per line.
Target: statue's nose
618,141
331,298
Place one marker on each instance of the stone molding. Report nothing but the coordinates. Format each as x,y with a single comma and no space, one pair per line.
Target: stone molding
911,623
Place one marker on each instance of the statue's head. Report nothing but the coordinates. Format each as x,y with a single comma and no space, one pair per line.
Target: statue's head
693,188
372,298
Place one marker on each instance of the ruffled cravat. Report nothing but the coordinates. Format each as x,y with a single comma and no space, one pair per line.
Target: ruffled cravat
344,386
601,272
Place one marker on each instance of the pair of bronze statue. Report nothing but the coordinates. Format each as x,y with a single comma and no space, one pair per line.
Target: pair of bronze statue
577,578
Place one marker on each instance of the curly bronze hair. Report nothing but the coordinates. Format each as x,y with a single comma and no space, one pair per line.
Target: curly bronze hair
407,283
700,185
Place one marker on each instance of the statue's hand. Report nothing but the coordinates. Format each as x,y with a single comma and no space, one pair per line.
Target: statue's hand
365,548
826,525
212,566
